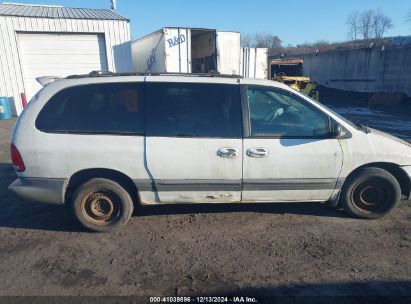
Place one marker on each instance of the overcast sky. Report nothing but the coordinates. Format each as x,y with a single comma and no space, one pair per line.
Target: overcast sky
294,21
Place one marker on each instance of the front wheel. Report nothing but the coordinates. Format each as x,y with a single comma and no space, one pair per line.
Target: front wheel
102,205
370,193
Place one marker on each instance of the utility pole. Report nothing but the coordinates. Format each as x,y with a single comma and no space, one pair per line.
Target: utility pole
113,5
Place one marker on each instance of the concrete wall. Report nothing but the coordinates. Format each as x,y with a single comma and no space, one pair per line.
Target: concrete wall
362,70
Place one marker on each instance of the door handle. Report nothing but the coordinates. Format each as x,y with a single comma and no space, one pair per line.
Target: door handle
257,152
227,152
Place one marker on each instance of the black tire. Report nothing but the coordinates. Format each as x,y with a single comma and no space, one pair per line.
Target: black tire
102,205
370,193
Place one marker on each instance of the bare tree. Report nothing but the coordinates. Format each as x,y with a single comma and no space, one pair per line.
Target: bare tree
261,40
353,22
266,41
369,24
366,23
246,40
381,24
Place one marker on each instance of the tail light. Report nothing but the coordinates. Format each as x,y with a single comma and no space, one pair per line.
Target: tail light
23,100
16,159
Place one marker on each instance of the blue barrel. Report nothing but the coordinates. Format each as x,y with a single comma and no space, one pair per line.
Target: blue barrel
5,110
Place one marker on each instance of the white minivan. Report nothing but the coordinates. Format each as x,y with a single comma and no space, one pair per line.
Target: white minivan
102,143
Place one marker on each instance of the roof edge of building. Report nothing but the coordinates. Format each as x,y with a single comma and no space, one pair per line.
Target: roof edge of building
58,12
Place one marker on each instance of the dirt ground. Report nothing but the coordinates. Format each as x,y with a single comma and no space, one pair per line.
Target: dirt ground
302,249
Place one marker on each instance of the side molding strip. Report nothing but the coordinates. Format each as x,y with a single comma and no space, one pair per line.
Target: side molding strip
236,185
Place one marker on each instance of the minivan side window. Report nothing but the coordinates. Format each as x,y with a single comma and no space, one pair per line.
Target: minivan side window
95,108
193,110
279,113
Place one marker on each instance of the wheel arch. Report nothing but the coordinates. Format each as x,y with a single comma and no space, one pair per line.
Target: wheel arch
82,176
400,175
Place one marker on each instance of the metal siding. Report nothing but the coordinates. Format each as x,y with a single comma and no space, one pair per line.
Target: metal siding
125,60
19,10
75,25
102,29
30,13
3,66
125,53
12,89
70,27
62,25
109,51
90,26
17,62
81,27
113,37
33,24
11,84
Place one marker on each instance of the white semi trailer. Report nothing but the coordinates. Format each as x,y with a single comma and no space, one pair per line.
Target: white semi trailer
187,50
254,63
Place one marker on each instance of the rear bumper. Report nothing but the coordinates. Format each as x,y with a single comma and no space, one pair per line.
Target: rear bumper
46,190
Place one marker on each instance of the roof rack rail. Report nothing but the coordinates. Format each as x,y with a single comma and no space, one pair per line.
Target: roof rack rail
212,73
100,73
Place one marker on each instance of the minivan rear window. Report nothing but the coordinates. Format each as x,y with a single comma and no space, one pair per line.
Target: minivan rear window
95,108
193,110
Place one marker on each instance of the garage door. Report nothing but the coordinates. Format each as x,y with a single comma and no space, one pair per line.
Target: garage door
49,54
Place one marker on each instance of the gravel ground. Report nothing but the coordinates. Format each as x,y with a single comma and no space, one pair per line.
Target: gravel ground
279,249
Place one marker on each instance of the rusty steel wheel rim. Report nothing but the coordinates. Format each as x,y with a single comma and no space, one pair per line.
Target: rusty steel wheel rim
370,196
100,207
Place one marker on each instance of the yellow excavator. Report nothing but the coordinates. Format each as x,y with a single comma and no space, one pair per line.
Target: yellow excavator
290,72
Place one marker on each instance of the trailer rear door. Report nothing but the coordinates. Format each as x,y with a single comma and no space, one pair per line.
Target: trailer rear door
228,53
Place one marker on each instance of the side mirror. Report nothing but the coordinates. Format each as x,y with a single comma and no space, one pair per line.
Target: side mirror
338,131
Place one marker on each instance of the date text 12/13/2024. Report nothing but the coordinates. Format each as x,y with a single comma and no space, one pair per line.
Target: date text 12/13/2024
199,299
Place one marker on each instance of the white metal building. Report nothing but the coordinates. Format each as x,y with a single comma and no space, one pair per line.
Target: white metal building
57,41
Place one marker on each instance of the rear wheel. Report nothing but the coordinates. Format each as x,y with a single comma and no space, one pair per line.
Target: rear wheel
370,193
102,205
